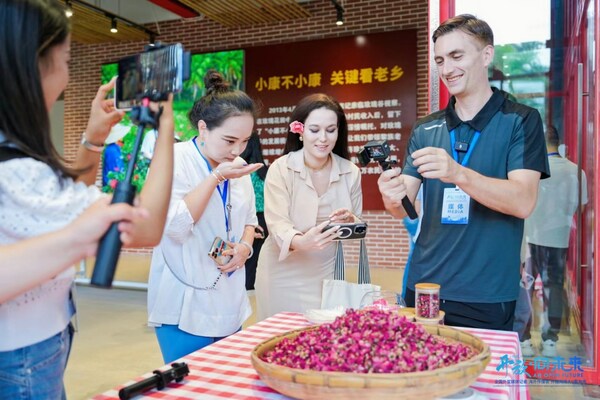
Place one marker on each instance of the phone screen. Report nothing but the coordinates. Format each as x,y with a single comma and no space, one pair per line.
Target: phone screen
129,83
152,74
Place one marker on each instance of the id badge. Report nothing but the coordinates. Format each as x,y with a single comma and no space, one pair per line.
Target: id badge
455,208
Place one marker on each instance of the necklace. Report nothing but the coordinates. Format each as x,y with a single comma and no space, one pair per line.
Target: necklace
317,170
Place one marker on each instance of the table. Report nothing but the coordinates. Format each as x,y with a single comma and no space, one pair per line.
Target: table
223,370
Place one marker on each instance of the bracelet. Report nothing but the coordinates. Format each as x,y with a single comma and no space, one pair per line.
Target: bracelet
91,146
223,179
219,181
243,242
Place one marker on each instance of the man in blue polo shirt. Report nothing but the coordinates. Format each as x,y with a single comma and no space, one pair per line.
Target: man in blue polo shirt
479,161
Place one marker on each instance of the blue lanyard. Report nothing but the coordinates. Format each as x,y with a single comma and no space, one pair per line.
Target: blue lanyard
469,151
223,193
554,153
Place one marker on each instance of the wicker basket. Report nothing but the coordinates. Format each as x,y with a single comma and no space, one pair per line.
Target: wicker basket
307,384
408,312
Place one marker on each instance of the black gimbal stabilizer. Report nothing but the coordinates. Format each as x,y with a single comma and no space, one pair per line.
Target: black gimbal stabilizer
159,381
156,86
110,244
379,150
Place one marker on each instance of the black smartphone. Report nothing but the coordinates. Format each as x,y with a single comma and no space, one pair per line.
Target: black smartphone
354,230
217,248
152,74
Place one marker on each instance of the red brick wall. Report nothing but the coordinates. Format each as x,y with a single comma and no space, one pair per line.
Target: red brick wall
387,239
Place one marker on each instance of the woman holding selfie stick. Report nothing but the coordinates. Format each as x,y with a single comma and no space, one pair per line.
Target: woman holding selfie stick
44,202
194,299
312,185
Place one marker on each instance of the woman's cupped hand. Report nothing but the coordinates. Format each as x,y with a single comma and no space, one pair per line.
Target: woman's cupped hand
237,168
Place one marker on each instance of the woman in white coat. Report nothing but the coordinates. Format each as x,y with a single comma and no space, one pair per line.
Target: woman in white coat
192,300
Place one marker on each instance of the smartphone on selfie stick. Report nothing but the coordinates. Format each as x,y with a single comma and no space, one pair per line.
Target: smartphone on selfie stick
379,150
148,76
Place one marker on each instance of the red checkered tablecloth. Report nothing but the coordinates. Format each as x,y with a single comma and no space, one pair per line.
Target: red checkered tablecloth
223,370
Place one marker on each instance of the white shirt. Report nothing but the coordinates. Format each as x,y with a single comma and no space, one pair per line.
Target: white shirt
149,143
33,202
184,246
550,223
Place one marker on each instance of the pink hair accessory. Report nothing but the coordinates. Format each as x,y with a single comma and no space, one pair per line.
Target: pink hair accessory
297,127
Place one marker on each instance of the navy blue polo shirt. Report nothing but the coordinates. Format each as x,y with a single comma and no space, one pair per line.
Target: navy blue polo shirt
478,262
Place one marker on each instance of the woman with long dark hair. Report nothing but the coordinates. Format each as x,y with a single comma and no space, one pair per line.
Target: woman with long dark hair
42,198
312,185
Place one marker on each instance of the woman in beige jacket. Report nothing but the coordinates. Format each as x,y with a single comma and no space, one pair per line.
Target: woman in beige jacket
311,185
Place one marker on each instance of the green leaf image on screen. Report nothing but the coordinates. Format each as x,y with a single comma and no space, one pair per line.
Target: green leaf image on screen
229,63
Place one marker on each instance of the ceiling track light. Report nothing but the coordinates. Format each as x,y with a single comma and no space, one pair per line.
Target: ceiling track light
68,9
340,17
340,12
108,15
113,26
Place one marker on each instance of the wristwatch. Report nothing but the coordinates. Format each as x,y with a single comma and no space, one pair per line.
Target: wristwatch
91,146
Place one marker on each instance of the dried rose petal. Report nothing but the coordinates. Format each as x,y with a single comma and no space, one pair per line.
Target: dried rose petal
368,341
428,305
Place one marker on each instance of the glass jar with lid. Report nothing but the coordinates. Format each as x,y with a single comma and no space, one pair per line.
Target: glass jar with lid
427,300
382,300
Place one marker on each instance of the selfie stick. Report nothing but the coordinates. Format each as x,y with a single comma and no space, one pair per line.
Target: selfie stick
110,244
406,204
158,381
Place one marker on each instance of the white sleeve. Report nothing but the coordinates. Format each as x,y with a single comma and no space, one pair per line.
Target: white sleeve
179,219
251,218
33,200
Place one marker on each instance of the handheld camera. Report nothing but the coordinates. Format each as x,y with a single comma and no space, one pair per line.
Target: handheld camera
379,150
376,150
145,77
152,75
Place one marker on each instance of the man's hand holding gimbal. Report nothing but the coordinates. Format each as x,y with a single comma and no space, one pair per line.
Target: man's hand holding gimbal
393,187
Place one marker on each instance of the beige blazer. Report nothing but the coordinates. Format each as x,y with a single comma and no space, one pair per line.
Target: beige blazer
291,201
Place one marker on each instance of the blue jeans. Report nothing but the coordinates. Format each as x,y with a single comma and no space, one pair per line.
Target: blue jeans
36,371
411,227
175,343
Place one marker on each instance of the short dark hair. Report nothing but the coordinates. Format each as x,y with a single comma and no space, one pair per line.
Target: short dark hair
304,108
29,29
552,137
220,102
468,24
